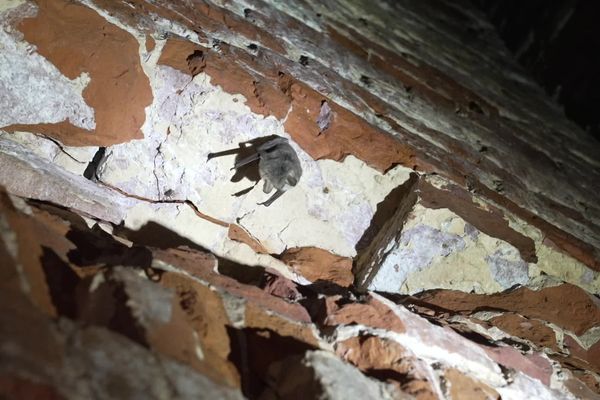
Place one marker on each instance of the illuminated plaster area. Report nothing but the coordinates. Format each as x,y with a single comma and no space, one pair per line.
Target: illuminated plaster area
330,208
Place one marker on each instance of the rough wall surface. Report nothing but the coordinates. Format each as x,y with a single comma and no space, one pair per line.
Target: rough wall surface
443,241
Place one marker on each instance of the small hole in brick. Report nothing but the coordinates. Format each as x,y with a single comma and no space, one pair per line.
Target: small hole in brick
303,60
247,12
475,107
363,21
365,79
252,46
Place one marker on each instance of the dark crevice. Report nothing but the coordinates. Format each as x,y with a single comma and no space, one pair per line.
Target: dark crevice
385,225
254,351
303,61
186,202
61,280
61,148
96,247
154,235
92,168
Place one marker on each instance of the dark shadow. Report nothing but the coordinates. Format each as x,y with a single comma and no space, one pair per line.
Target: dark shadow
385,210
96,247
248,171
62,282
92,167
244,274
155,235
388,375
327,288
254,350
314,298
513,343
473,336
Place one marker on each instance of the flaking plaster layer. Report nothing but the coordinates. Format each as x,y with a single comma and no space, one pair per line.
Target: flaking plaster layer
33,90
438,249
330,208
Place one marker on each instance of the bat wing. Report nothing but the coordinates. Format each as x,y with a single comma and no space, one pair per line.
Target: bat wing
246,160
272,143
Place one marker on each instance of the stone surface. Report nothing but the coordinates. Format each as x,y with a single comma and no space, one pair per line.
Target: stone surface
434,247
170,164
533,330
26,174
460,386
319,265
72,159
566,305
386,359
131,251
233,332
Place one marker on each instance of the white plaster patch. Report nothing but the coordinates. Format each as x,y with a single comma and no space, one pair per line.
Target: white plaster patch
589,338
235,307
524,386
198,346
148,302
330,208
416,249
507,267
566,268
438,249
8,4
554,262
340,380
33,90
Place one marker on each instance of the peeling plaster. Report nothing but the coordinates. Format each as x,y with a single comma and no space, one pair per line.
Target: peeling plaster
438,249
563,267
507,267
330,208
33,90
554,262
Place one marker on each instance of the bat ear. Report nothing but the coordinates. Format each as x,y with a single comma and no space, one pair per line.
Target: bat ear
292,180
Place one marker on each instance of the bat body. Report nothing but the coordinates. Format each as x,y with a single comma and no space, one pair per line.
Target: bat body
278,166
